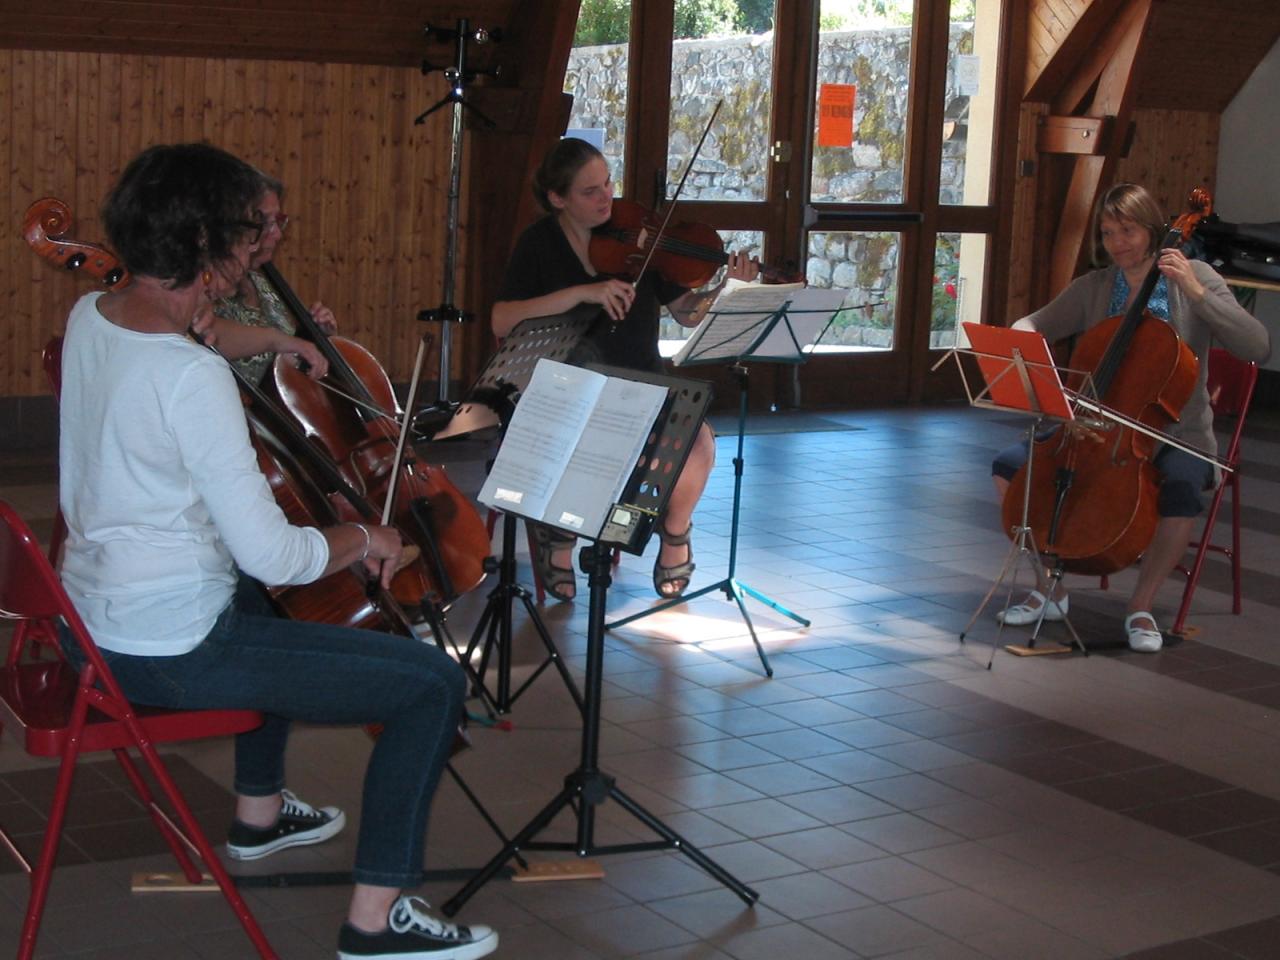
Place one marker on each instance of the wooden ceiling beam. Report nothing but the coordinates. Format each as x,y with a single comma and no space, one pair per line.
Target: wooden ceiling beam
1082,24
1113,97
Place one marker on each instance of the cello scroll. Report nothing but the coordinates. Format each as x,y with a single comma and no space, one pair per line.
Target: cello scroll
45,227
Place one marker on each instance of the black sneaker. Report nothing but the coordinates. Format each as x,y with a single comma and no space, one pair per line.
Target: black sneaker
413,934
298,825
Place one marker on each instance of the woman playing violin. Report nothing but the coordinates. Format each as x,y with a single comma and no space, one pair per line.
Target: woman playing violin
253,325
551,272
1190,296
170,523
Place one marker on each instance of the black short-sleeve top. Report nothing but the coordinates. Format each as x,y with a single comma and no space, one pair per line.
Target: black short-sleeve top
543,262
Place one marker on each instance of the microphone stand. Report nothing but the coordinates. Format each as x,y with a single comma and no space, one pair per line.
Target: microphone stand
458,75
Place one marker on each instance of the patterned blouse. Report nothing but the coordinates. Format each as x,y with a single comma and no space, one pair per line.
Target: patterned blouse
271,313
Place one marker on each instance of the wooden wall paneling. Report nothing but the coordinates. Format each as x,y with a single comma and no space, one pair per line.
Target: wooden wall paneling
530,109
10,202
1172,151
1022,225
304,133
366,189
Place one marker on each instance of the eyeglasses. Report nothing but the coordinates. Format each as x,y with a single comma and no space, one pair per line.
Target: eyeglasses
279,220
253,228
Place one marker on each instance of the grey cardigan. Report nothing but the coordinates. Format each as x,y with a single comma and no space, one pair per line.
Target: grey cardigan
1217,317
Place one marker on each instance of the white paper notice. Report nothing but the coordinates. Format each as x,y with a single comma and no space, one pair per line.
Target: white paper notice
968,67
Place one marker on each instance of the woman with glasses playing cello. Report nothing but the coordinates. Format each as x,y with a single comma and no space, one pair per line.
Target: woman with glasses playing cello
253,325
171,521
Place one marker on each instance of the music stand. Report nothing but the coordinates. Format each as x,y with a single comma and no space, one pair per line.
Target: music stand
490,403
775,323
628,526
1021,378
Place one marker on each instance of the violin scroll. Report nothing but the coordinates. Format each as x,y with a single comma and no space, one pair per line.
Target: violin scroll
45,227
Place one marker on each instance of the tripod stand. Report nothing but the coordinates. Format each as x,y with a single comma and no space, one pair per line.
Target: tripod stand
587,786
494,631
752,323
733,588
490,402
457,75
1023,548
1021,378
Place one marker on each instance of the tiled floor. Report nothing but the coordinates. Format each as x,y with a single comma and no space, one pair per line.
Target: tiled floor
885,793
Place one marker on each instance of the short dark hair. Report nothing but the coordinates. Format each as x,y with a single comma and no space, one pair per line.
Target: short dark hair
179,208
558,168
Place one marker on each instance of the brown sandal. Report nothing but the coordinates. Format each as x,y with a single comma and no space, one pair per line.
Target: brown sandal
675,577
547,540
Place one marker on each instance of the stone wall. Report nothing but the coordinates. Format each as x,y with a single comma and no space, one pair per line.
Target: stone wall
733,163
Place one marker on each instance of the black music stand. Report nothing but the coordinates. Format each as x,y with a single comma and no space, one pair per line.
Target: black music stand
628,526
490,403
769,329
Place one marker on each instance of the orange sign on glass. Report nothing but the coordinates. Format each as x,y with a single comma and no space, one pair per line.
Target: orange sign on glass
835,114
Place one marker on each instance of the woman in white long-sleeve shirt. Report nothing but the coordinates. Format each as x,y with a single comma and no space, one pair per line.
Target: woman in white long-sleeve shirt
171,527
1194,300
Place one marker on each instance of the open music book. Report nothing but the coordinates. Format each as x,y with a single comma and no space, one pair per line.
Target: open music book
571,445
748,321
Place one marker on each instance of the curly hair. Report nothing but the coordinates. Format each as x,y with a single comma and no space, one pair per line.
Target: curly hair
1128,201
558,168
179,208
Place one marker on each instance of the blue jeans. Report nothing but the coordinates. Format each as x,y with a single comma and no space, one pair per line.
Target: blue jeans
293,670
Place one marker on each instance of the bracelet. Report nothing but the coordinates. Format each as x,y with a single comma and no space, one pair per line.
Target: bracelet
368,539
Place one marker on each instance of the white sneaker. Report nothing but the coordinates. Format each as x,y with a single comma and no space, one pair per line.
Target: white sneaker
1028,611
1142,639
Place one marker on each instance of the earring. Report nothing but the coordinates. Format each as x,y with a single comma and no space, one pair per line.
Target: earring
207,277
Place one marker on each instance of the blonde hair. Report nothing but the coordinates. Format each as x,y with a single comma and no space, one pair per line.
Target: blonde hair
1128,201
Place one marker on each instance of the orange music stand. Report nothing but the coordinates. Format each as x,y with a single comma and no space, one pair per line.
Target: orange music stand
1020,377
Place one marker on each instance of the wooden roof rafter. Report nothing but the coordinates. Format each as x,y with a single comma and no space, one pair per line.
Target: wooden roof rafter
1091,109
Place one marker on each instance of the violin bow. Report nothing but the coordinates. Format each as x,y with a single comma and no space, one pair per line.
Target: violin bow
671,204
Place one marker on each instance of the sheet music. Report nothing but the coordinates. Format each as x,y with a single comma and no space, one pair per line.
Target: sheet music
571,445
541,438
605,455
745,323
809,314
736,321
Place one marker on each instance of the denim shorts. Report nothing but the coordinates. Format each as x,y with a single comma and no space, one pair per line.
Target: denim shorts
1183,477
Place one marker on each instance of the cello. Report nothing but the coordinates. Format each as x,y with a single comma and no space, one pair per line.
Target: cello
342,598
1092,502
363,439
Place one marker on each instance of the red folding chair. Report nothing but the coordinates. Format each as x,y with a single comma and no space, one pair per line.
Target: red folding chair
56,711
1230,383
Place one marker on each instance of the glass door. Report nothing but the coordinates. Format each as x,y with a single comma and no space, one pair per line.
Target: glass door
854,144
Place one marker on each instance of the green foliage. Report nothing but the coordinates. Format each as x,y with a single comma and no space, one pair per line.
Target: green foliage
609,21
603,21
754,16
704,18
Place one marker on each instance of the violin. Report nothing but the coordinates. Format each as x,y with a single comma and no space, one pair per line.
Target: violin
1092,502
686,252
362,439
